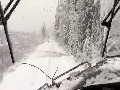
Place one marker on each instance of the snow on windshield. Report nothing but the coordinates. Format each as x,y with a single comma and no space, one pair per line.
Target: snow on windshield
58,43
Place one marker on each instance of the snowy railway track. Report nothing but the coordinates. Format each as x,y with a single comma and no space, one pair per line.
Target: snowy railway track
50,54
42,63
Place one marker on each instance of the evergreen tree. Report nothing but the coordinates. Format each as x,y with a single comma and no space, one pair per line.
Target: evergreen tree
77,28
44,31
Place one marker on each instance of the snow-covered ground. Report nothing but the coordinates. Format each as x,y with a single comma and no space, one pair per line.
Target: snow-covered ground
49,57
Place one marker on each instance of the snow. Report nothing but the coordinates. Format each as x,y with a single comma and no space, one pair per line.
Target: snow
102,78
108,74
51,46
48,57
1,45
51,58
113,64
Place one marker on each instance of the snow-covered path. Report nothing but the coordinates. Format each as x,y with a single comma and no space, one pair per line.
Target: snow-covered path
49,57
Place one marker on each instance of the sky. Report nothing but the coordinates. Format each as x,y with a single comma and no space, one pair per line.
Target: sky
31,14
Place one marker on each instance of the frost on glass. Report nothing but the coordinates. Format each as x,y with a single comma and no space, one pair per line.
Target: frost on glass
58,45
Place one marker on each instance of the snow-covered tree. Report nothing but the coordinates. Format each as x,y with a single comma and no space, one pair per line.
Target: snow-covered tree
78,27
44,31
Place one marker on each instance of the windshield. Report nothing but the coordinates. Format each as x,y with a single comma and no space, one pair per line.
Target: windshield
58,43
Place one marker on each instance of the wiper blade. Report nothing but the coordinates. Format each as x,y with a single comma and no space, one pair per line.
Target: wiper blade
69,70
111,11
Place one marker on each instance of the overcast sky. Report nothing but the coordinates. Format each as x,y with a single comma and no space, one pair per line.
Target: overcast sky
30,14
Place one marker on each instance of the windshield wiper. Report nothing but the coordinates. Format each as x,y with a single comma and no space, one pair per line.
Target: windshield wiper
12,9
70,70
4,19
8,5
106,23
4,23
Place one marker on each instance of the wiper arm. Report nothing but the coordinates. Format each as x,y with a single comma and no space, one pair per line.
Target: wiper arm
111,11
8,5
4,22
12,9
106,23
69,70
4,19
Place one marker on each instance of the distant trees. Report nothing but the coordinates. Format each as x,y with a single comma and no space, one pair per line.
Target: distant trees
44,34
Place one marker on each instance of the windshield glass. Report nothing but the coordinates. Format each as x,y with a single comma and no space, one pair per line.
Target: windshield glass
58,41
